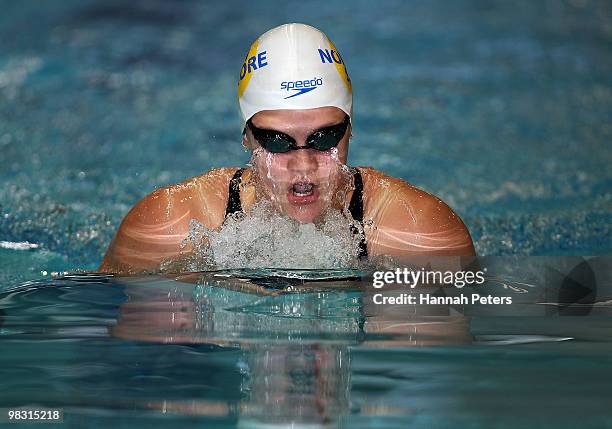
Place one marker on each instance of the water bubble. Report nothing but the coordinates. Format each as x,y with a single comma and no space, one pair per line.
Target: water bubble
265,238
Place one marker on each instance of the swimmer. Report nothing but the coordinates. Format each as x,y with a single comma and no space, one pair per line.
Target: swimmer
295,98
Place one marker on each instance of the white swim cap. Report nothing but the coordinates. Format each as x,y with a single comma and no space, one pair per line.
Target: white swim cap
294,66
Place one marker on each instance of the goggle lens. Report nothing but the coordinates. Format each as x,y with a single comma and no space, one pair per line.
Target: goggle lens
321,140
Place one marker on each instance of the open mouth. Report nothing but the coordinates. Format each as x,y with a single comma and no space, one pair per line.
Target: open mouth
303,189
302,193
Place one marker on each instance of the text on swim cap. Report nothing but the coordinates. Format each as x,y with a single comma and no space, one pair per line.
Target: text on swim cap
330,56
254,62
302,86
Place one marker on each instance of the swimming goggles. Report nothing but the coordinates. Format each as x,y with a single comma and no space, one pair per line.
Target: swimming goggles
278,142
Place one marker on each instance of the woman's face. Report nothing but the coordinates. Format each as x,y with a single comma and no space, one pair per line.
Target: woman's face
301,183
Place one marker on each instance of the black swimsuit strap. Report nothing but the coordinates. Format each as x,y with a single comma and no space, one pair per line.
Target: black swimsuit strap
356,210
233,200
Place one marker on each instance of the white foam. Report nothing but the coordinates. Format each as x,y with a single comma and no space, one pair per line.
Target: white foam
266,239
18,245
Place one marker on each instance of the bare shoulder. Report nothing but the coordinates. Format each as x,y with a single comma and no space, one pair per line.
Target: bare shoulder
407,219
203,196
154,229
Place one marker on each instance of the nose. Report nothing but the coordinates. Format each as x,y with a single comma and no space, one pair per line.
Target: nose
303,161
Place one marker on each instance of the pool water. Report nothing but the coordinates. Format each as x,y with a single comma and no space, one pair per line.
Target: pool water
201,350
502,109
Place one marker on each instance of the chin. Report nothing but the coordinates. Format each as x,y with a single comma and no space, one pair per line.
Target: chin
305,213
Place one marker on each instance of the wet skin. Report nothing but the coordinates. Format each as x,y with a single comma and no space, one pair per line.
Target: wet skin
300,182
401,220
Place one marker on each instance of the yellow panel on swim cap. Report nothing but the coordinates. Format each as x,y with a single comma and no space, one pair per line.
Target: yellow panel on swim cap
341,68
244,82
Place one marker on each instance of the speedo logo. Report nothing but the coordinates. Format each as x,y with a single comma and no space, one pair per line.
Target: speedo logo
301,86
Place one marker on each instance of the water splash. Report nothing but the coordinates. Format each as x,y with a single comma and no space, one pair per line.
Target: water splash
266,238
18,245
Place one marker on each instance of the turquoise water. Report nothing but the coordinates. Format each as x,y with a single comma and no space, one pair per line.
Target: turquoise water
503,109
199,352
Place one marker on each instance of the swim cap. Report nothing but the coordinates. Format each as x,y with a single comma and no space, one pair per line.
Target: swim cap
293,66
